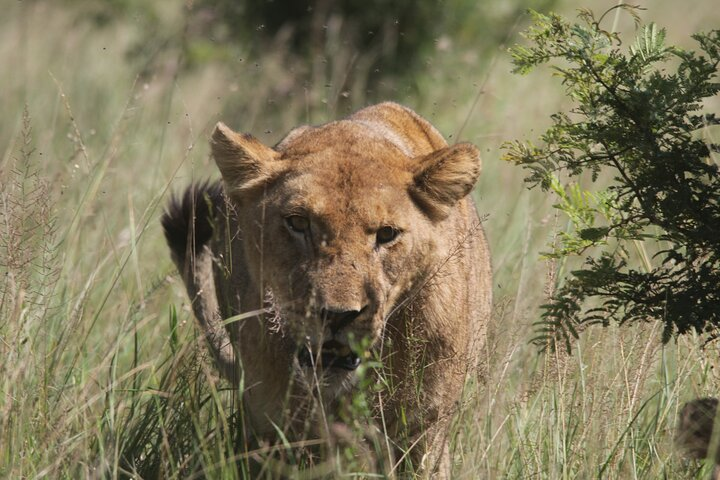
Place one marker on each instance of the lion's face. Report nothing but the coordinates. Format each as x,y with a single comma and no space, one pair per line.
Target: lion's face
336,250
339,227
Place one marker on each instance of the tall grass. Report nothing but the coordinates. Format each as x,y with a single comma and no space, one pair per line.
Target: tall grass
101,372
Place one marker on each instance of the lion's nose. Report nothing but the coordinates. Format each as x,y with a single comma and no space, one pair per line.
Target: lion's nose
337,319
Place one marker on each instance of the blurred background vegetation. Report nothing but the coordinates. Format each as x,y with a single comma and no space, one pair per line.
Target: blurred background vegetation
391,39
106,109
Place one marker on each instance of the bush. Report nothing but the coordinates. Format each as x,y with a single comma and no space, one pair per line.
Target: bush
650,239
399,33
376,47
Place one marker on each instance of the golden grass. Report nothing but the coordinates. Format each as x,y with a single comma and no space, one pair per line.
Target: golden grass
89,368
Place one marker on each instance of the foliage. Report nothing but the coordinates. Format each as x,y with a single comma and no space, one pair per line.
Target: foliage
398,34
394,31
378,39
635,133
104,12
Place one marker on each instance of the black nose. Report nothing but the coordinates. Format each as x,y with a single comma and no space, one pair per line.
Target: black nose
337,319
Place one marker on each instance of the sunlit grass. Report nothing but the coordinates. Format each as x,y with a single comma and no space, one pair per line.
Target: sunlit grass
101,374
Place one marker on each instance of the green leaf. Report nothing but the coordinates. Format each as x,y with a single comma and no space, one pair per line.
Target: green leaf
631,175
650,43
593,234
173,322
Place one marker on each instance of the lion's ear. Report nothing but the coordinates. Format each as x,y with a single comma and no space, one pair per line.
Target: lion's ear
443,177
244,162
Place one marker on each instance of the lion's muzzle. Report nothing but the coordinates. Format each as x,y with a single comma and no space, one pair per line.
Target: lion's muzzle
332,354
337,319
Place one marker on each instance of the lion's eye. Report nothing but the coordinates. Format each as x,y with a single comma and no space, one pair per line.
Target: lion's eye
297,223
386,235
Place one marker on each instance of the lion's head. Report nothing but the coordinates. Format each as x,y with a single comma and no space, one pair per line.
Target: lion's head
341,221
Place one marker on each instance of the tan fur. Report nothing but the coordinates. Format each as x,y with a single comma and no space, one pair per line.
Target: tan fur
694,432
425,297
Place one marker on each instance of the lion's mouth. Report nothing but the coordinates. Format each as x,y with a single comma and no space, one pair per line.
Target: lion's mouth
333,354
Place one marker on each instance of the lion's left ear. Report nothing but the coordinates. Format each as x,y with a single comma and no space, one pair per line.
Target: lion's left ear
444,177
244,162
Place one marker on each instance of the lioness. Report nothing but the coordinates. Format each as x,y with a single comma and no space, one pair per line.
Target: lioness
356,232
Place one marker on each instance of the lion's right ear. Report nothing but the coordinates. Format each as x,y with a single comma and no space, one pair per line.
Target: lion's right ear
244,162
443,177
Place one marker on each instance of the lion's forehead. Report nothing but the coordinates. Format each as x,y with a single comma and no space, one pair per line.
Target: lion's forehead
356,162
360,202
358,139
348,173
